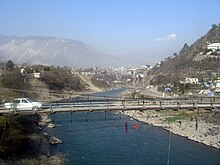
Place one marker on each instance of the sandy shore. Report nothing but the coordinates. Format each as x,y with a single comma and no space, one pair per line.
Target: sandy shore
206,133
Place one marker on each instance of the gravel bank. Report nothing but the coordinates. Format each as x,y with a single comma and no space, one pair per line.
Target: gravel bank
206,132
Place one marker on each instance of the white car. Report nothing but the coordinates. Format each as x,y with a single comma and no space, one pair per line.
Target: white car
24,104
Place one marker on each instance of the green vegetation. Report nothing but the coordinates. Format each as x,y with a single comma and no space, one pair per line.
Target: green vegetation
61,79
10,77
21,142
204,115
181,115
15,132
9,66
58,78
14,80
17,81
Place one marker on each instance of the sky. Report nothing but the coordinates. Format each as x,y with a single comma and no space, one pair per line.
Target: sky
146,29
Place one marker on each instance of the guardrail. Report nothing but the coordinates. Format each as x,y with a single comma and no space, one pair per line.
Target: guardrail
109,104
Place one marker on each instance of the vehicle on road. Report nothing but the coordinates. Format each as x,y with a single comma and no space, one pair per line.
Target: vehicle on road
24,104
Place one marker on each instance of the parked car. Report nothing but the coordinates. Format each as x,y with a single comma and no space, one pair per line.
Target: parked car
24,104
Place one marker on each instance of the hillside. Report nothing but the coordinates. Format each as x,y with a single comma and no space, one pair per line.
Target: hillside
46,94
194,59
53,83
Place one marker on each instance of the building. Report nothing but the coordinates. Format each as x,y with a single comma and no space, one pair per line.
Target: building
213,46
37,75
190,81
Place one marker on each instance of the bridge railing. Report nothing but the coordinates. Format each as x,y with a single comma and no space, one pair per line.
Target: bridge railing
108,104
124,103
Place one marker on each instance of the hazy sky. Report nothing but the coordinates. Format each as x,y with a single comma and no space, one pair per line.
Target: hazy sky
153,28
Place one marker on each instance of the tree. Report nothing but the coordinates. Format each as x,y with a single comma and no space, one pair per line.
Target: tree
13,79
46,68
175,54
9,65
214,26
53,80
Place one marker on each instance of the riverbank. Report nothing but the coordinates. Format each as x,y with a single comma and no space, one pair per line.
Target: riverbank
199,125
183,123
23,141
41,145
46,140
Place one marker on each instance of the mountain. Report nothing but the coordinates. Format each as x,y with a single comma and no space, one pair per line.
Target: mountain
193,59
5,39
51,51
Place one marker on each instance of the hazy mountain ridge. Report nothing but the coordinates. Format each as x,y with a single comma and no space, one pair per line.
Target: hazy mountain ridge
50,51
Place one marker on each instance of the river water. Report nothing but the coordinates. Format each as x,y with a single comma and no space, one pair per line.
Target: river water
99,138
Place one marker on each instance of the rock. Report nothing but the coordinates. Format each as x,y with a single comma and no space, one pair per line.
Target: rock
45,133
207,133
213,131
41,123
39,145
55,140
45,118
52,160
51,125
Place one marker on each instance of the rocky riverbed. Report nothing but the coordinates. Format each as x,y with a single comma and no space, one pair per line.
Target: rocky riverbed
183,123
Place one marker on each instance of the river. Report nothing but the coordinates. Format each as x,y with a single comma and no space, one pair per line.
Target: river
99,138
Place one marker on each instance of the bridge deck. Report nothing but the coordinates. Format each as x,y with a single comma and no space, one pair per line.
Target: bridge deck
116,106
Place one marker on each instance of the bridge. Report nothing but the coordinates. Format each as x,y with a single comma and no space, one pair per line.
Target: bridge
92,103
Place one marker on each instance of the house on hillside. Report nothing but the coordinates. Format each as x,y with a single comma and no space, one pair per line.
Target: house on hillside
190,81
213,46
37,75
218,84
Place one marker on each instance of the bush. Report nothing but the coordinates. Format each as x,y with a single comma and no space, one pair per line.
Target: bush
13,80
53,81
60,79
15,134
10,138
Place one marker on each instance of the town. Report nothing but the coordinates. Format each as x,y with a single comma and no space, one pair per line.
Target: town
109,82
38,77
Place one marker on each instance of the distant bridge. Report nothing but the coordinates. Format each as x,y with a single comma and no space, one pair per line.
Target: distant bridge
93,103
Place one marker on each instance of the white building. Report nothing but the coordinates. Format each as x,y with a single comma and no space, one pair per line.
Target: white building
213,46
37,75
192,80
